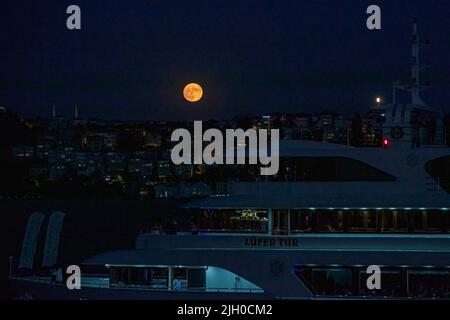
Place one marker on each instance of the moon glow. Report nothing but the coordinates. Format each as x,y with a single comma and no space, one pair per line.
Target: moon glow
193,92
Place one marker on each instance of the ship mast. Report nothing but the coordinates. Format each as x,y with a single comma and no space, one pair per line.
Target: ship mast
415,73
415,68
414,86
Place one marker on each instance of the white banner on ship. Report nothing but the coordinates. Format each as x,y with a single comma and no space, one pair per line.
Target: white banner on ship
52,239
30,240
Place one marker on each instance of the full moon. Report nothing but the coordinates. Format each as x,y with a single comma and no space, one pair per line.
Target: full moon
193,92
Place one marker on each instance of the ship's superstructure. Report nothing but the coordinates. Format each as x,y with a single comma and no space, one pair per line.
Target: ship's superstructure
415,123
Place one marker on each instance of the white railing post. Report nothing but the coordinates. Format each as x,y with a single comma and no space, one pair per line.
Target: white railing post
289,222
170,278
270,223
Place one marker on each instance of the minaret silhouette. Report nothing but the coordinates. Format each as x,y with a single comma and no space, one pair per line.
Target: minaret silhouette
76,112
54,111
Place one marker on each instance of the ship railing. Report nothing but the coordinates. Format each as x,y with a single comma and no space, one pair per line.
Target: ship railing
187,232
48,280
149,288
37,279
107,285
206,290
234,290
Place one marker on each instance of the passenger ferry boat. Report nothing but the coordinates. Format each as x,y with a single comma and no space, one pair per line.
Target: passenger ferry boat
308,233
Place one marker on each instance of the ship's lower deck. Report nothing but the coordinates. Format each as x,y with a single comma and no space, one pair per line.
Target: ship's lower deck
263,267
40,288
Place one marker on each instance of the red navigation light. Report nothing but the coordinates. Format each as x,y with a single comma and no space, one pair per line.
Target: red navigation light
385,143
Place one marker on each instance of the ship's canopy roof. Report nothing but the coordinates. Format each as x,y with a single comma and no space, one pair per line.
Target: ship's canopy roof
324,201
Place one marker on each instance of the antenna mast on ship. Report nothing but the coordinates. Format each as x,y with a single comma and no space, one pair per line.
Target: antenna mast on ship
415,86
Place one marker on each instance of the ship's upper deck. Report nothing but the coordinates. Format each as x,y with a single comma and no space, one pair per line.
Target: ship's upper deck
322,175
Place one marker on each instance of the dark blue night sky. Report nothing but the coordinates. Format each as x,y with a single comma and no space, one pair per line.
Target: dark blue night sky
132,58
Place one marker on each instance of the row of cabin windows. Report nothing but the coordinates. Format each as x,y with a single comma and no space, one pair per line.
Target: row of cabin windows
375,221
396,282
325,221
305,169
159,277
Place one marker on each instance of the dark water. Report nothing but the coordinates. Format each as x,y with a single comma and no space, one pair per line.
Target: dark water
90,227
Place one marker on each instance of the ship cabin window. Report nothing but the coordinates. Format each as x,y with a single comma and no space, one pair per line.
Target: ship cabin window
332,282
196,278
361,221
330,221
180,278
392,280
327,281
280,224
429,221
397,282
234,220
302,221
292,221
305,169
161,278
332,169
153,277
369,221
429,283
188,278
394,221
191,278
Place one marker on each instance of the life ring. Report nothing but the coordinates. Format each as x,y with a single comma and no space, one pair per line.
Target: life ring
397,133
